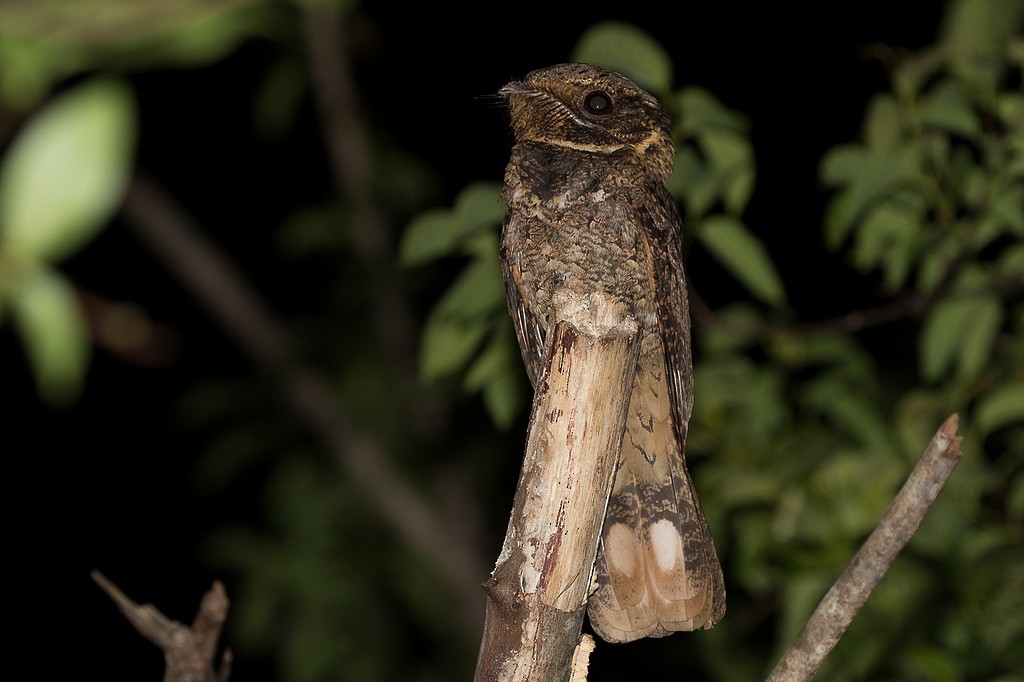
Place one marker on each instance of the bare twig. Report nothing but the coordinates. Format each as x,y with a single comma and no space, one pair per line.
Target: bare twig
908,306
215,282
189,652
537,594
867,568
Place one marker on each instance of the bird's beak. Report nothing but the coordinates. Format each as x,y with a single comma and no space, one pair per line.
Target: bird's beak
516,88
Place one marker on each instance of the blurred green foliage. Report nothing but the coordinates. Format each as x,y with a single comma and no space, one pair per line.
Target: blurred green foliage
801,432
61,181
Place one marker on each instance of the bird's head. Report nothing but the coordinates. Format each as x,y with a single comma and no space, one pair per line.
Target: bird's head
590,109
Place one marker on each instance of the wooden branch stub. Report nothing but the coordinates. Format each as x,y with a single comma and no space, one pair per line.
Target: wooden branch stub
867,568
189,653
537,594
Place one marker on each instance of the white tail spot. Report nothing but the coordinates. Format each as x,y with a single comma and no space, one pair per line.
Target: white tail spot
622,550
667,545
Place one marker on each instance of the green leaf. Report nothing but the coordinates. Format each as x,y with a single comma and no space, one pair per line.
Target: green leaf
478,292
448,344
834,223
867,178
936,264
480,204
842,164
28,67
883,129
889,237
459,321
948,108
980,336
66,172
444,232
975,34
627,49
744,256
46,313
960,330
732,159
1001,407
431,234
699,111
498,373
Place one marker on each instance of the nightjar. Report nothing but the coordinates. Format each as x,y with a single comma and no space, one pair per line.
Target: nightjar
588,212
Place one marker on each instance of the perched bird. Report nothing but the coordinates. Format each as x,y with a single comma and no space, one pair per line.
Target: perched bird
588,212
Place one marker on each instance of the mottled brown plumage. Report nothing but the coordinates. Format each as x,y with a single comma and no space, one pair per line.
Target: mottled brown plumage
588,212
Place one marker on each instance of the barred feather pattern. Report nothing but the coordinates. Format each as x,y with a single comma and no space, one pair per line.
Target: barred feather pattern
589,213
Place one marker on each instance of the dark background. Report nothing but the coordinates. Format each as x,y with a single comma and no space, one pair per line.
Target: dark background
109,483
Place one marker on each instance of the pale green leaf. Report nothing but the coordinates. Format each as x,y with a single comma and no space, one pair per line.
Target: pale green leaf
701,193
687,169
731,157
948,108
887,238
868,178
842,164
960,330
744,256
448,344
444,232
28,68
1001,407
975,32
495,359
629,50
66,172
46,314
935,265
477,292
914,71
431,234
980,336
459,321
834,223
504,399
941,334
699,111
480,204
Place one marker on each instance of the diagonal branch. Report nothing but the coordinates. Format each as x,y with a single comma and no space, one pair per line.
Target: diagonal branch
867,568
348,145
231,301
907,306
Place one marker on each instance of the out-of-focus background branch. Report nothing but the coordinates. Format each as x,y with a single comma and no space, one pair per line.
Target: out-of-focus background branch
280,357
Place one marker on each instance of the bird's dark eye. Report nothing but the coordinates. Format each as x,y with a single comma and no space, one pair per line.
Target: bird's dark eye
598,102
